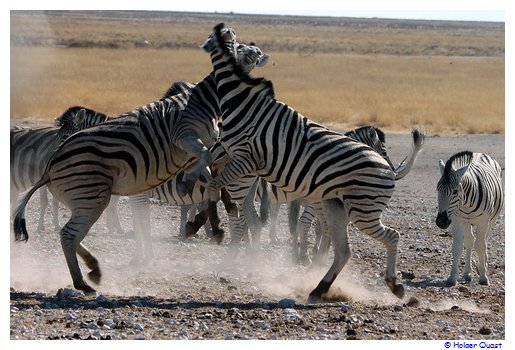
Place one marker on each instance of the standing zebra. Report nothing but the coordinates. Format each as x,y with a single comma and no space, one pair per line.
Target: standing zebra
470,193
31,148
266,137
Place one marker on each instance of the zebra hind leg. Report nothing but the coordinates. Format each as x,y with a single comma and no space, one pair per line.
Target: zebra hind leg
389,237
72,234
337,222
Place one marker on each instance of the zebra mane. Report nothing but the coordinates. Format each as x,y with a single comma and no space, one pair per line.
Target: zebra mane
457,161
178,88
72,111
245,77
379,132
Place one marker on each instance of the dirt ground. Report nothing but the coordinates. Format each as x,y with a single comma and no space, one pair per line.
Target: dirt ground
190,291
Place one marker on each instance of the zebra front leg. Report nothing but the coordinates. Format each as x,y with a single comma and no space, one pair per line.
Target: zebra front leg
192,145
481,250
469,243
457,230
43,204
214,220
337,223
140,206
112,219
55,212
196,221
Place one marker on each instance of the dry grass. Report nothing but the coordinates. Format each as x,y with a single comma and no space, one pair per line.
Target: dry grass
340,75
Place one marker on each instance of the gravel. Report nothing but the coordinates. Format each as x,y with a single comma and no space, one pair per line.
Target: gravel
191,291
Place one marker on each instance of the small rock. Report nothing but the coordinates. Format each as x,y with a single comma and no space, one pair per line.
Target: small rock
485,331
345,308
397,307
286,303
224,280
68,292
140,337
413,302
291,313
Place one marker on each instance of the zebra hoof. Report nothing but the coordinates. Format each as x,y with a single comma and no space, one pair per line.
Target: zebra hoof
396,288
451,281
189,230
95,276
85,288
218,235
484,281
314,298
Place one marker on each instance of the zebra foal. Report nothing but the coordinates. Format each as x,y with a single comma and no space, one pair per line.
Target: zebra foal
265,136
470,193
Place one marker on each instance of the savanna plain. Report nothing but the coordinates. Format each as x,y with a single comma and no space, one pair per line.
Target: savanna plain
446,77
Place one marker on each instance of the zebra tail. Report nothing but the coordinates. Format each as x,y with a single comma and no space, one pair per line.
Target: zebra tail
418,144
264,209
19,224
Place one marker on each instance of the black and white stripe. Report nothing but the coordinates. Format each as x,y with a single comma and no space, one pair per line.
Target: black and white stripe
268,138
470,193
31,148
124,156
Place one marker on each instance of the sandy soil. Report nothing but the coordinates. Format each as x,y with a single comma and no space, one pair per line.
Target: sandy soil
189,291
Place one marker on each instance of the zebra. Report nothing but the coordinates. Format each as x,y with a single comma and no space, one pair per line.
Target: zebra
31,148
170,191
128,155
470,193
375,138
270,139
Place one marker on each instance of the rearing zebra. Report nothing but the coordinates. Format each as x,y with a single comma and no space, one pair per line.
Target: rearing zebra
125,156
269,138
470,193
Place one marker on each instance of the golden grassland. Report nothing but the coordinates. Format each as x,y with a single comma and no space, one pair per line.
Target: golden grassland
379,73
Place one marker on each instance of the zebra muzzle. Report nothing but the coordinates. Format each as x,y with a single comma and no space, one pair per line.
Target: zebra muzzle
442,220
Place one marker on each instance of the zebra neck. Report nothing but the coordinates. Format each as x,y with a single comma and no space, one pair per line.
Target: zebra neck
233,84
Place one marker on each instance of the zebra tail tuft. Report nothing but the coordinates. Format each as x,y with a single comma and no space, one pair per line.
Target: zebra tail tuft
418,143
19,223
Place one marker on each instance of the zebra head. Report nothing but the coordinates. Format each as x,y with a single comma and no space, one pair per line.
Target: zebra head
250,56
449,187
228,36
78,118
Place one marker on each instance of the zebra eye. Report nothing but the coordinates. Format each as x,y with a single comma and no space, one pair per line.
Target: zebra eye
455,192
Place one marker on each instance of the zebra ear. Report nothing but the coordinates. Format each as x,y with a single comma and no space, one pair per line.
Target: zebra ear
442,166
262,60
81,115
208,44
461,171
372,134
